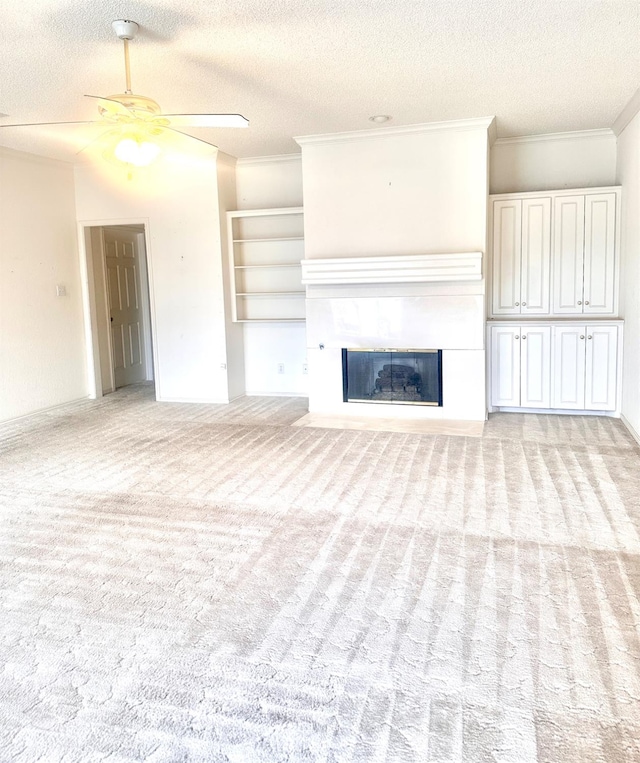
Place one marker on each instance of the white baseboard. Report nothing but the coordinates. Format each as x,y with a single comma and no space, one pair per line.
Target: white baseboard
48,409
632,431
555,411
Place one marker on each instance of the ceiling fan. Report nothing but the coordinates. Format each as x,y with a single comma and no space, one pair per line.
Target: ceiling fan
135,122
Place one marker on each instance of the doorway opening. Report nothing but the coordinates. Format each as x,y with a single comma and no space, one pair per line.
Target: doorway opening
121,342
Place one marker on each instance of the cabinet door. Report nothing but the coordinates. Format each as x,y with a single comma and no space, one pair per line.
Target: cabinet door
568,254
535,367
601,368
568,367
507,234
536,251
505,366
599,253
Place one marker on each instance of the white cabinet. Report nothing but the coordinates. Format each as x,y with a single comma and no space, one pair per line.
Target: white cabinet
586,365
265,250
555,253
556,365
521,256
520,366
584,254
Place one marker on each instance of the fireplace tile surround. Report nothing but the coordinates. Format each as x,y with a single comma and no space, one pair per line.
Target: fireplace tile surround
401,309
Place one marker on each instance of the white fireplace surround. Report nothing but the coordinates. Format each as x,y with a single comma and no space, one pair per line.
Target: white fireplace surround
425,301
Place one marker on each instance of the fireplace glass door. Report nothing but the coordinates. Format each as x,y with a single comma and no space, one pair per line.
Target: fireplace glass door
411,377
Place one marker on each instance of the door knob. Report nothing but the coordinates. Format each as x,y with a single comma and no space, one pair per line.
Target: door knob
589,337
517,304
517,336
580,302
112,319
524,304
581,336
586,302
524,336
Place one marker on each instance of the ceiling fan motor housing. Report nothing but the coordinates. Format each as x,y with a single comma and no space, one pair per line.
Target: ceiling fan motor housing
125,30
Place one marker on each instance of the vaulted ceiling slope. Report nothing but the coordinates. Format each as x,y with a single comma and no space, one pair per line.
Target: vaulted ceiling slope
298,67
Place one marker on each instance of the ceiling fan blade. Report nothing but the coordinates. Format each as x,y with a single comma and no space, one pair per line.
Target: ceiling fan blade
48,124
113,108
206,120
186,135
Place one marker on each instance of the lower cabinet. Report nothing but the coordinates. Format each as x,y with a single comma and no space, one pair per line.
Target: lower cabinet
565,366
520,365
585,367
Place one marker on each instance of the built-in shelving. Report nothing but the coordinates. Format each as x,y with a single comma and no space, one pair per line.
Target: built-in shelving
266,247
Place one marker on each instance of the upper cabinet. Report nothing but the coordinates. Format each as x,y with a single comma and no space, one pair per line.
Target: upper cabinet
584,254
521,253
555,253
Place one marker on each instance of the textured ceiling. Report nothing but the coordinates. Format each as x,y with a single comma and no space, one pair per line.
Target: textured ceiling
298,67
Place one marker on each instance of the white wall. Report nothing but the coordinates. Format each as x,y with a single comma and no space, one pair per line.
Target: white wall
226,169
404,193
272,182
42,356
553,162
628,175
178,202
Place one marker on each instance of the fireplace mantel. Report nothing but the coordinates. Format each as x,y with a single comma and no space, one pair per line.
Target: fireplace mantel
417,268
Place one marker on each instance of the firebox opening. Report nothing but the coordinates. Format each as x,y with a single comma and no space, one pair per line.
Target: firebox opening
405,377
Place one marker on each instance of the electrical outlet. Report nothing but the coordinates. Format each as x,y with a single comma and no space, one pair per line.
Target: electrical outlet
280,368
305,368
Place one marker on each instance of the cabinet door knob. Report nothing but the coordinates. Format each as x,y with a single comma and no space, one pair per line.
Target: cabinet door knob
524,336
517,304
517,336
524,304
581,336
586,302
589,337
579,302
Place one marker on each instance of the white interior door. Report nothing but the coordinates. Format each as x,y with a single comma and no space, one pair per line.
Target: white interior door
536,256
506,260
601,368
599,253
535,365
568,367
125,304
505,366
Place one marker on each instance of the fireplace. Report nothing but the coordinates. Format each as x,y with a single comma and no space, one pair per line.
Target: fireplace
401,377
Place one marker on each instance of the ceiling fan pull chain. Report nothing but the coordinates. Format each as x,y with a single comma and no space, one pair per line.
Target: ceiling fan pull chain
127,70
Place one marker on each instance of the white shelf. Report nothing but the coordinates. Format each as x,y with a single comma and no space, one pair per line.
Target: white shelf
269,265
269,293
265,240
271,320
265,248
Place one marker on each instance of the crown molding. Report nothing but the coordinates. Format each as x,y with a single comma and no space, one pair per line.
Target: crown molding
248,160
493,131
628,113
457,125
555,136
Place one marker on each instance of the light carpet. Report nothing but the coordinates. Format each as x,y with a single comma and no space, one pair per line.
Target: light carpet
209,583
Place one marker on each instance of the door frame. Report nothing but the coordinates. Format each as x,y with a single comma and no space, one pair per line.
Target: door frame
96,384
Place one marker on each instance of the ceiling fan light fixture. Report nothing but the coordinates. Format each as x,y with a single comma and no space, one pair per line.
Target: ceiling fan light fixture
139,153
